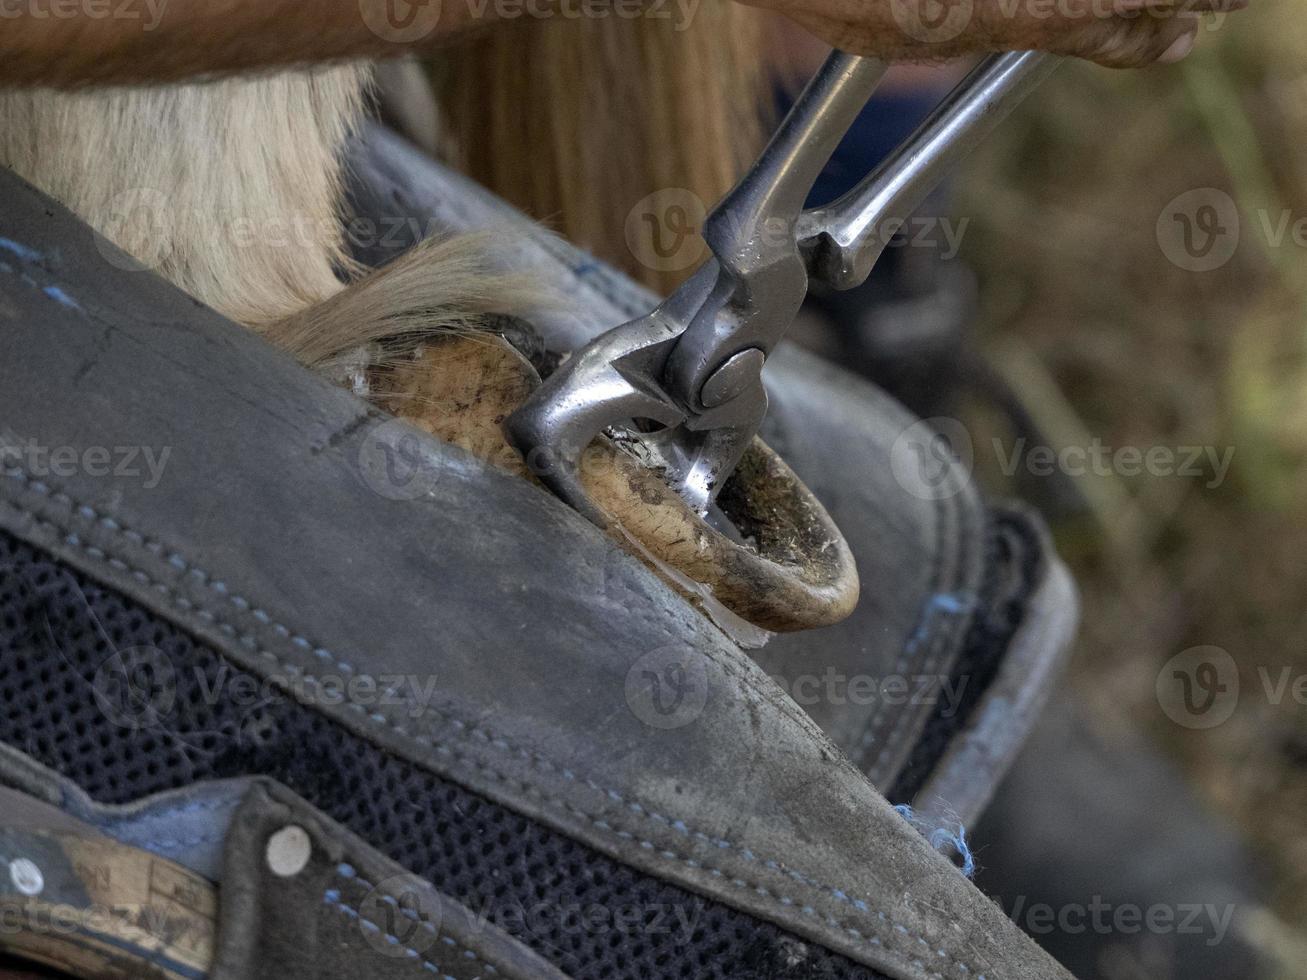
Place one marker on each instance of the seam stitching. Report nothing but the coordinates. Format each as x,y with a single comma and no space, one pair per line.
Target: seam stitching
465,731
347,872
872,731
170,844
332,897
943,631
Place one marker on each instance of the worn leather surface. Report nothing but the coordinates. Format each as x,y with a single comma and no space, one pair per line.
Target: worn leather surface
348,913
977,758
918,546
926,554
266,538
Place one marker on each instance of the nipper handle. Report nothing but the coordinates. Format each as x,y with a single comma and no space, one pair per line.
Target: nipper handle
843,240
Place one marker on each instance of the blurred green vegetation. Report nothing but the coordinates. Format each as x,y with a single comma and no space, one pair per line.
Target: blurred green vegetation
1107,337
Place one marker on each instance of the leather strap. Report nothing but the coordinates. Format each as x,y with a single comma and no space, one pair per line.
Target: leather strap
266,538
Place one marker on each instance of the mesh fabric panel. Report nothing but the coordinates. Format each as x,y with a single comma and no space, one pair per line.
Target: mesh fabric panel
124,704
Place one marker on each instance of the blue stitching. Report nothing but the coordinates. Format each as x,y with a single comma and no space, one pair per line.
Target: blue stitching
535,760
24,252
194,806
332,897
49,291
347,872
112,817
871,729
171,845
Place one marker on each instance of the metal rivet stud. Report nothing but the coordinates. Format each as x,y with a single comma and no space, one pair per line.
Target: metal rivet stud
733,378
288,851
26,876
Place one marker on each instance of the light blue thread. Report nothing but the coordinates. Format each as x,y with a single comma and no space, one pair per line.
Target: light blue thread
22,251
172,845
947,603
62,298
942,837
535,760
332,897
347,872
539,762
950,605
26,254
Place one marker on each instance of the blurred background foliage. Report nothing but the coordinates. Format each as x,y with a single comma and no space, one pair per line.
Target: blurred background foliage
1083,312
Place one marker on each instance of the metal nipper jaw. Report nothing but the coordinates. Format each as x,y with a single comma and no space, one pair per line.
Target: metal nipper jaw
693,366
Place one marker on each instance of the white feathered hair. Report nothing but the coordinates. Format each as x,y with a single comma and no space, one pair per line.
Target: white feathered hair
232,190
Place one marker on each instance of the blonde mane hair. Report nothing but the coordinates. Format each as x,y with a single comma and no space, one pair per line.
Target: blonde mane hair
575,122
232,189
